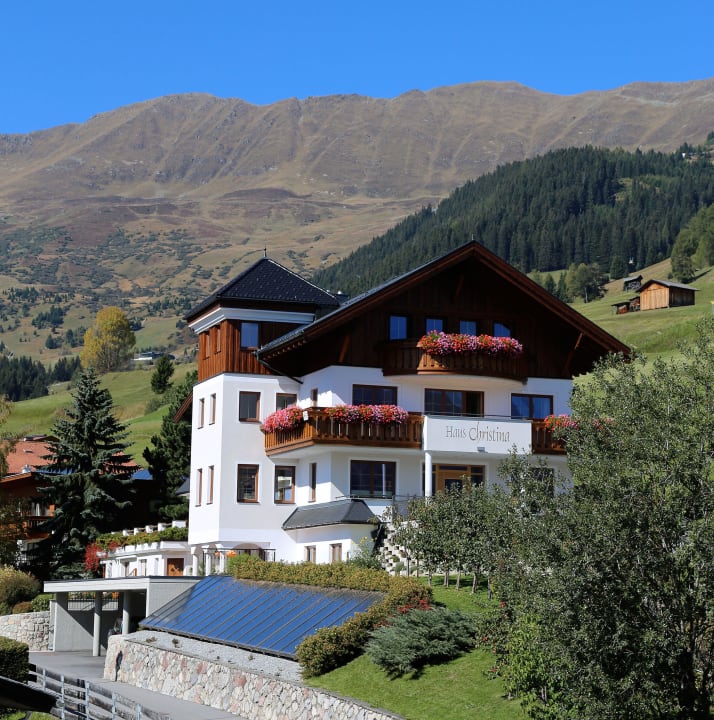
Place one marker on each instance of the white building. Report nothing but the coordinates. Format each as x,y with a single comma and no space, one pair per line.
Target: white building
269,340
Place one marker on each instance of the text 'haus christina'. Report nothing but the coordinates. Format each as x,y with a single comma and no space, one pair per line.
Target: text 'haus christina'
313,413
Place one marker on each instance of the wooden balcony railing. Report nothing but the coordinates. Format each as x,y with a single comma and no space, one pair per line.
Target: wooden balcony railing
405,358
320,428
543,442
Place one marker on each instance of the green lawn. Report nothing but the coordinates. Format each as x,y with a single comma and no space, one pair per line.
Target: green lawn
653,332
457,690
131,392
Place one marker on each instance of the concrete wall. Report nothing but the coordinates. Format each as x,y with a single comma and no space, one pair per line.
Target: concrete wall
31,628
237,691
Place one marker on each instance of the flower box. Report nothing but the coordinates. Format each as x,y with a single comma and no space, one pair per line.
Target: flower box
285,419
370,414
441,343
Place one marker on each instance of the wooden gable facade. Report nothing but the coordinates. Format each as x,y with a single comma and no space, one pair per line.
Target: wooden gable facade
468,285
656,294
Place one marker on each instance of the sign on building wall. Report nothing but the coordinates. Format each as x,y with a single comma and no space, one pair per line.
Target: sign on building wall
476,435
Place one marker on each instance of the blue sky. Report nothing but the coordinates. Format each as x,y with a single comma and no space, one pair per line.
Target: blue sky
64,62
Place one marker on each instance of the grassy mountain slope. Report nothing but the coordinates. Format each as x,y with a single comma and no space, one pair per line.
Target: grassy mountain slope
166,197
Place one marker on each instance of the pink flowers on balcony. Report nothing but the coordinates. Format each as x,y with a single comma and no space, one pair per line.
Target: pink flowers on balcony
560,422
376,414
441,343
285,419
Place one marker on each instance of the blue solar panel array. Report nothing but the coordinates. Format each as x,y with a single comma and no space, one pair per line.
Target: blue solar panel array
262,616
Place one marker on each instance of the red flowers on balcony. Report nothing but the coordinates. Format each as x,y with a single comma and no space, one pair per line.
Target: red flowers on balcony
560,422
375,414
285,419
441,343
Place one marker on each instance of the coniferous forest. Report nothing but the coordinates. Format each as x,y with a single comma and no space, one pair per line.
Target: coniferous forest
578,205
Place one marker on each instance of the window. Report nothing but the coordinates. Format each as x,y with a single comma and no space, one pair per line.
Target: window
249,335
212,409
218,339
207,344
283,400
310,554
249,407
211,469
313,396
453,402
531,407
372,478
398,327
468,327
313,482
434,325
374,395
247,483
501,330
199,485
284,484
201,412
336,553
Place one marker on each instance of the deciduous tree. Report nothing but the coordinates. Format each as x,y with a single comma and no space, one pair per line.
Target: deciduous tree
617,579
107,345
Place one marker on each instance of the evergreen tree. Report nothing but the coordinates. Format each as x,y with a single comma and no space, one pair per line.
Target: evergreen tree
618,267
169,461
88,476
161,377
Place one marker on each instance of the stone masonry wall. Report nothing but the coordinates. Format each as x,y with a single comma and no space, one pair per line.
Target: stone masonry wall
234,690
31,628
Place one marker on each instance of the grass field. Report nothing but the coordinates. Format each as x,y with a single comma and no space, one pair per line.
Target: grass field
457,690
131,392
653,332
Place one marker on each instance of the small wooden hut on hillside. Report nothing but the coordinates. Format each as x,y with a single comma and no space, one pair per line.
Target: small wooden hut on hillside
655,294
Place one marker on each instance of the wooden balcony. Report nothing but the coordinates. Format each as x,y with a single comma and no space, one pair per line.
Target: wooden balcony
320,428
405,358
543,442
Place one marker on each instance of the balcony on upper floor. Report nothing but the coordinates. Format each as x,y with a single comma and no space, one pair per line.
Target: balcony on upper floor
318,427
406,358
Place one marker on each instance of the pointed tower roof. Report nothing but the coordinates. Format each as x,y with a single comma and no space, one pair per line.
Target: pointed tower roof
266,282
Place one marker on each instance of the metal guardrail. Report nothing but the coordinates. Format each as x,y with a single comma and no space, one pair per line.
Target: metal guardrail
79,699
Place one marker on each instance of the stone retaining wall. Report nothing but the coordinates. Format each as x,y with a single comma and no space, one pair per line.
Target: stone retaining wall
31,628
234,690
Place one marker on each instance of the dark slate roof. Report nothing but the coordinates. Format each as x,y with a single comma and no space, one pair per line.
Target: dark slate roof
669,284
337,512
268,281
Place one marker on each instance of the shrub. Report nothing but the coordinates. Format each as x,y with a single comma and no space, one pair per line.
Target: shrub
14,659
41,602
418,637
14,587
24,606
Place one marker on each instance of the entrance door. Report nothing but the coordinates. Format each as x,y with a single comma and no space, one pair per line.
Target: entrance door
448,477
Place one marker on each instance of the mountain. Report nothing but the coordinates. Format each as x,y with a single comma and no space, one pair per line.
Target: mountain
156,204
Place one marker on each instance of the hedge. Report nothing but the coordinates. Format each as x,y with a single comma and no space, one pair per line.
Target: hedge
14,659
108,541
332,647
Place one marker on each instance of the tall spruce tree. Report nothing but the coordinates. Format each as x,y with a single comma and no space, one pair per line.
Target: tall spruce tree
169,460
88,476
